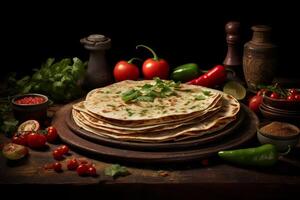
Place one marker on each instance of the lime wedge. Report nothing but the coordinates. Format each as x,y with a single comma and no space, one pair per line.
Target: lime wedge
235,89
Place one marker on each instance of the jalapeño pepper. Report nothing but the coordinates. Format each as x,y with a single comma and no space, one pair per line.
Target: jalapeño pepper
263,156
185,72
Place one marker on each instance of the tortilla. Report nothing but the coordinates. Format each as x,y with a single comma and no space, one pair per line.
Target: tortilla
215,122
107,103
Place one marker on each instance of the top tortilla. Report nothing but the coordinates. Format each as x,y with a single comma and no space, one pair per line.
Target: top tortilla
106,102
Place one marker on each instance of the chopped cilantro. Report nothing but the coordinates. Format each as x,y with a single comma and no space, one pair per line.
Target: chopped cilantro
143,112
187,103
206,93
148,92
129,112
200,97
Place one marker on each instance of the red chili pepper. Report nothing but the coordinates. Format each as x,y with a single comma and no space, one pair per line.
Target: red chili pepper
213,77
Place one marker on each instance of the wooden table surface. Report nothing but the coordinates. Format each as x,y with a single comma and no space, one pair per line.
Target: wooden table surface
184,181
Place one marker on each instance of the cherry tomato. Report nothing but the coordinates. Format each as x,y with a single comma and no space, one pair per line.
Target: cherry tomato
64,149
293,91
57,155
92,171
85,161
72,164
255,102
20,138
82,170
36,141
274,95
261,92
297,97
291,97
155,67
51,134
125,70
57,166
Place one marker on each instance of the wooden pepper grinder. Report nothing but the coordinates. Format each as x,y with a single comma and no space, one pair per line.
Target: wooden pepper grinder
233,58
98,73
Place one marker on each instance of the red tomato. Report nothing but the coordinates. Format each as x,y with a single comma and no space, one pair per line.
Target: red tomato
293,91
51,134
297,97
82,170
36,141
261,92
255,102
274,95
64,149
72,164
291,97
125,70
20,138
57,155
92,171
155,67
57,167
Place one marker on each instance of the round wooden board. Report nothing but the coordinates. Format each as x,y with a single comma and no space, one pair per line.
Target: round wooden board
243,134
175,145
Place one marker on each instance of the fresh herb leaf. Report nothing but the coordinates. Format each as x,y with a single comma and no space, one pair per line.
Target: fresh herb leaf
10,126
188,102
206,93
148,92
200,97
145,98
116,170
143,112
131,95
57,80
129,112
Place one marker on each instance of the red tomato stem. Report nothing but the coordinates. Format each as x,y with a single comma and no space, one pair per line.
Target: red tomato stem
133,59
155,57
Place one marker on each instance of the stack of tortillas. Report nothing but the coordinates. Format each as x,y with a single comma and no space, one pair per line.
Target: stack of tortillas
190,111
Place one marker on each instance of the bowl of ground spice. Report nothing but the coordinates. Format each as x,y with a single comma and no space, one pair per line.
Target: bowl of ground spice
281,134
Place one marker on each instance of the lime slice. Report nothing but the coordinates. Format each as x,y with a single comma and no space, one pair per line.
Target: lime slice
235,89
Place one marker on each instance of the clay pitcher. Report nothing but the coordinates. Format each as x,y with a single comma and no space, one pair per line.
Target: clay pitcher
260,58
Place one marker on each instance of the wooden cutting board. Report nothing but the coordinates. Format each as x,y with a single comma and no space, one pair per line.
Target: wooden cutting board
245,132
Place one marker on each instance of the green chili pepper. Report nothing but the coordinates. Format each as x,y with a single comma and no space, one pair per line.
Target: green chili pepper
262,156
185,72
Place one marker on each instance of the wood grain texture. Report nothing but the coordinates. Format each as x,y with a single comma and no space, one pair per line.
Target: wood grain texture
218,180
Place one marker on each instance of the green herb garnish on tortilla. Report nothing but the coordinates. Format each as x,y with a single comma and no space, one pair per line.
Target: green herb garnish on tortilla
148,92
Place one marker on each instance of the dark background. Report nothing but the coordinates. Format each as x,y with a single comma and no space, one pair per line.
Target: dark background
180,32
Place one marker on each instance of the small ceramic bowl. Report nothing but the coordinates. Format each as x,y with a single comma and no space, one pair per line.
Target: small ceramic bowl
281,104
24,112
281,142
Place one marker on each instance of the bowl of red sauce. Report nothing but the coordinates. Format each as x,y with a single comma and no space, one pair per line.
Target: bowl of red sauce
30,106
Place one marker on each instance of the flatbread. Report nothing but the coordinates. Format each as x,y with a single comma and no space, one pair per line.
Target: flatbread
107,103
227,114
104,123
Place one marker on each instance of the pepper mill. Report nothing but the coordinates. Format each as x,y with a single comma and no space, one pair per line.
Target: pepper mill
233,58
260,58
98,73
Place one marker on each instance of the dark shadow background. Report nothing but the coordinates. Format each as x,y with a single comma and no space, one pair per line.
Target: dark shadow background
179,32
